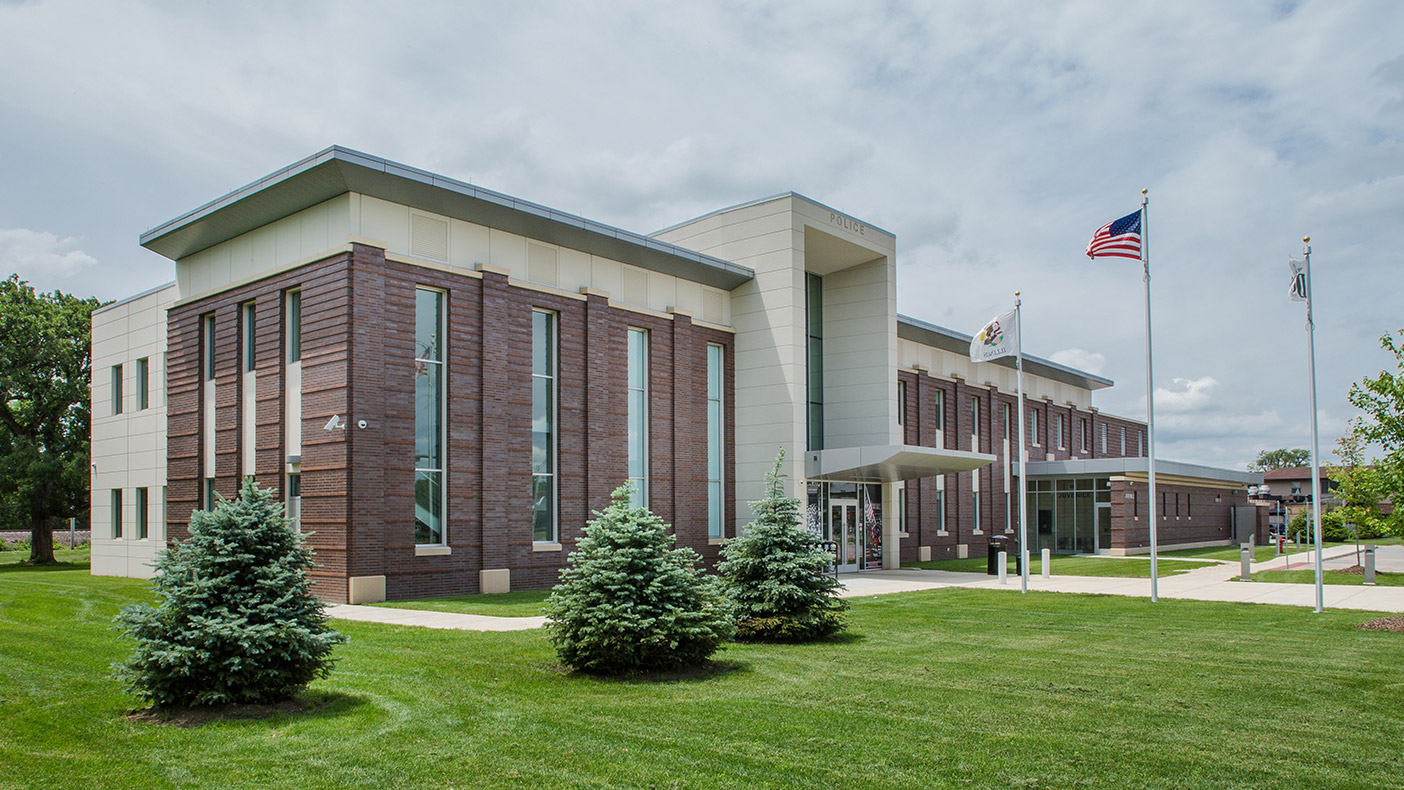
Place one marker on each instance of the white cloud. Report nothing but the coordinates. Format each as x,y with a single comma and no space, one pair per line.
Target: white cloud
1186,395
1089,361
41,256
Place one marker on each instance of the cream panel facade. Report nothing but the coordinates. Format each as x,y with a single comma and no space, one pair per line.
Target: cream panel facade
769,316
939,362
329,226
860,355
129,449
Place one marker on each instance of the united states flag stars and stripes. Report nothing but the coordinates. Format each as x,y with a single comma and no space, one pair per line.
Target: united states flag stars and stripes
1117,239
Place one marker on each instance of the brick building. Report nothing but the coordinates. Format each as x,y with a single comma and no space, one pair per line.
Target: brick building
443,382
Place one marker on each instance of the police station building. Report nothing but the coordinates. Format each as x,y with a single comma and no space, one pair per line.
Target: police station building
443,382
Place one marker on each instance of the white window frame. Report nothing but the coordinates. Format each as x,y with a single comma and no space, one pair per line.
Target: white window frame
552,377
642,448
442,362
716,442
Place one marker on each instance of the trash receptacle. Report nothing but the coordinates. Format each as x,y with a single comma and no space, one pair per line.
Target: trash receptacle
997,544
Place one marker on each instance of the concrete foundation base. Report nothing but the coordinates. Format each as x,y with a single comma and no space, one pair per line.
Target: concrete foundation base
365,589
496,580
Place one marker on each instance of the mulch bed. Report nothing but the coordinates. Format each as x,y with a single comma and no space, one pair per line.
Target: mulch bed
1395,624
208,714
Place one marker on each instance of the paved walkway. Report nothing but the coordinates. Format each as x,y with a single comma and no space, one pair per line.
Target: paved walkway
1217,582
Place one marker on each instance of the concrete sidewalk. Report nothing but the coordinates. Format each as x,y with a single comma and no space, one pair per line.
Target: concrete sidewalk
1213,583
1217,582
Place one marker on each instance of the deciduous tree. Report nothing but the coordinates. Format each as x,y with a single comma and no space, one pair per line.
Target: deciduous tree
1280,459
45,370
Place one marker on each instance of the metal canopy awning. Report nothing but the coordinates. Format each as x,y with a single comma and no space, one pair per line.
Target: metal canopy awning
889,463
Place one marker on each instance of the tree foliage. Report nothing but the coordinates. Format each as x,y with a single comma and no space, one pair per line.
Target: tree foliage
776,573
1360,485
45,370
1382,401
236,621
1280,459
629,601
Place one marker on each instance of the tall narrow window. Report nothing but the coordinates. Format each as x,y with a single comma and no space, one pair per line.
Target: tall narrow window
638,415
294,511
428,417
143,372
116,389
1058,429
941,505
248,338
814,321
543,426
116,513
940,409
902,510
141,515
715,434
975,511
901,401
210,495
1085,441
1104,438
294,326
1005,412
1033,427
209,339
1123,440
974,423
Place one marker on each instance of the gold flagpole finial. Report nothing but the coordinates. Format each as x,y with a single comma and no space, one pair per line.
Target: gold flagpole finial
1306,239
1016,294
1145,191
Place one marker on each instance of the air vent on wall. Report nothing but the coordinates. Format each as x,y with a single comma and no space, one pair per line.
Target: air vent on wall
711,305
635,286
542,264
429,237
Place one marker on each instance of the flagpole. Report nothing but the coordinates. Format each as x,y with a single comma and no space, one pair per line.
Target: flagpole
1150,390
1021,452
1315,444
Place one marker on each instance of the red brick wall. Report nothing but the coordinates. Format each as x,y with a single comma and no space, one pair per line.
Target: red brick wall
919,425
1192,514
357,484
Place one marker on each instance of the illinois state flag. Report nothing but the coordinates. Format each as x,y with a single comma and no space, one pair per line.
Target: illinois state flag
999,338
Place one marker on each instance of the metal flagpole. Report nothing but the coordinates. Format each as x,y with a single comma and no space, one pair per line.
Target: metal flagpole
1315,445
1150,389
1022,453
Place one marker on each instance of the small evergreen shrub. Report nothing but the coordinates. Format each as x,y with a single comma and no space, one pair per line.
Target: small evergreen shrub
629,601
775,573
236,621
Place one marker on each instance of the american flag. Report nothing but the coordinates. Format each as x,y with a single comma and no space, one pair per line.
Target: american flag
1117,239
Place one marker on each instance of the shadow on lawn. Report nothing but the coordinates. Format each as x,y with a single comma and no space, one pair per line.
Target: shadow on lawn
697,673
21,567
310,704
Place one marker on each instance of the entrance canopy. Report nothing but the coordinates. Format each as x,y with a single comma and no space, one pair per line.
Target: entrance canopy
888,463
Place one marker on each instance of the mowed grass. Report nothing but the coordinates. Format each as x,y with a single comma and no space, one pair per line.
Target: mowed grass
948,688
1328,577
1125,567
522,603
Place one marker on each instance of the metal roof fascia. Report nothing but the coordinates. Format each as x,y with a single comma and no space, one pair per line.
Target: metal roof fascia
353,171
958,342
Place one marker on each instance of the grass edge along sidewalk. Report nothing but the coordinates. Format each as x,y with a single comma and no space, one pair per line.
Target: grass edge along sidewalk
938,688
1120,567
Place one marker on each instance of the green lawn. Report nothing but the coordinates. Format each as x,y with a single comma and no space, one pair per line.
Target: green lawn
943,688
523,603
1308,576
1129,567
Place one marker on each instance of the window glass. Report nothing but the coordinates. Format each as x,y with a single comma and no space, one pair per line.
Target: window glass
141,514
116,513
294,326
638,415
143,386
117,389
429,434
543,426
715,415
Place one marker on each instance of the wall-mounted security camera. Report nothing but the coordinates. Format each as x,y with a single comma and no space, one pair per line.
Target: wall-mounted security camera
361,425
334,423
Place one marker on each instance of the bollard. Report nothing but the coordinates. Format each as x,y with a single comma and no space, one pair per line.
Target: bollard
1047,563
1369,564
1003,561
72,532
1245,560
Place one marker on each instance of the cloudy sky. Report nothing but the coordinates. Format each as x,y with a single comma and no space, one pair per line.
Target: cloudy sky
991,137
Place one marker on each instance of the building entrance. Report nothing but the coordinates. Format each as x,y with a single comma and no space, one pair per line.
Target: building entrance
850,516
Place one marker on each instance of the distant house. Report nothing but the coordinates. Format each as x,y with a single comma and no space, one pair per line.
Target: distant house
1289,492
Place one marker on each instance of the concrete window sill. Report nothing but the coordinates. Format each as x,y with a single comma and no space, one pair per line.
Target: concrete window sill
546,547
432,551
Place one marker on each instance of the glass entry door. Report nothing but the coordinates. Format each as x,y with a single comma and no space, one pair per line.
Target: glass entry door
1103,527
843,523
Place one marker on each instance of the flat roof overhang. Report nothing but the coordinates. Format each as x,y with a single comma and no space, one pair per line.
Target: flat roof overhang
888,463
337,170
1138,469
